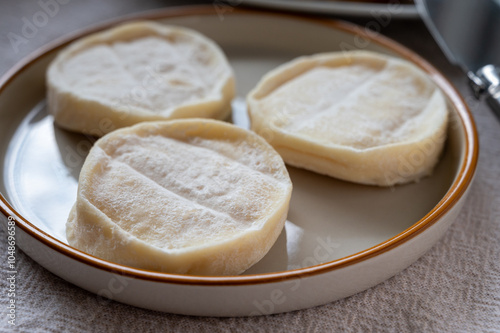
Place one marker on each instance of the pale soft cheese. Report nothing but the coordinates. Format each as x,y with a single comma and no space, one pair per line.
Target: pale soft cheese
358,116
137,72
185,196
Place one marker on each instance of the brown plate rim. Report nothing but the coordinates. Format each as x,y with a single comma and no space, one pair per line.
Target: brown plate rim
456,191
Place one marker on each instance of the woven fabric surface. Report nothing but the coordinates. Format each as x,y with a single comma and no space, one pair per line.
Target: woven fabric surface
455,287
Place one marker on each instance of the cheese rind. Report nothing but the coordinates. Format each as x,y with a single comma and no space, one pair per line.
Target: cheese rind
358,116
140,71
196,196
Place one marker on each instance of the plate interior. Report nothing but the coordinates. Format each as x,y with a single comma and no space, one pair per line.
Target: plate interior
328,218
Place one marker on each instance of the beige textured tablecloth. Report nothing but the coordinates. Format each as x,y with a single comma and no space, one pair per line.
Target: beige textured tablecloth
453,288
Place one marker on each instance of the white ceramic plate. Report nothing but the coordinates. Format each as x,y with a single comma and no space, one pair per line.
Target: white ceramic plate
340,238
342,7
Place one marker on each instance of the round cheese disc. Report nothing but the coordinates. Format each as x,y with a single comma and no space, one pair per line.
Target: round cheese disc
190,196
141,71
358,116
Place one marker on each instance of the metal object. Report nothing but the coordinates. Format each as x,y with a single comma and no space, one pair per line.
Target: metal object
468,31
